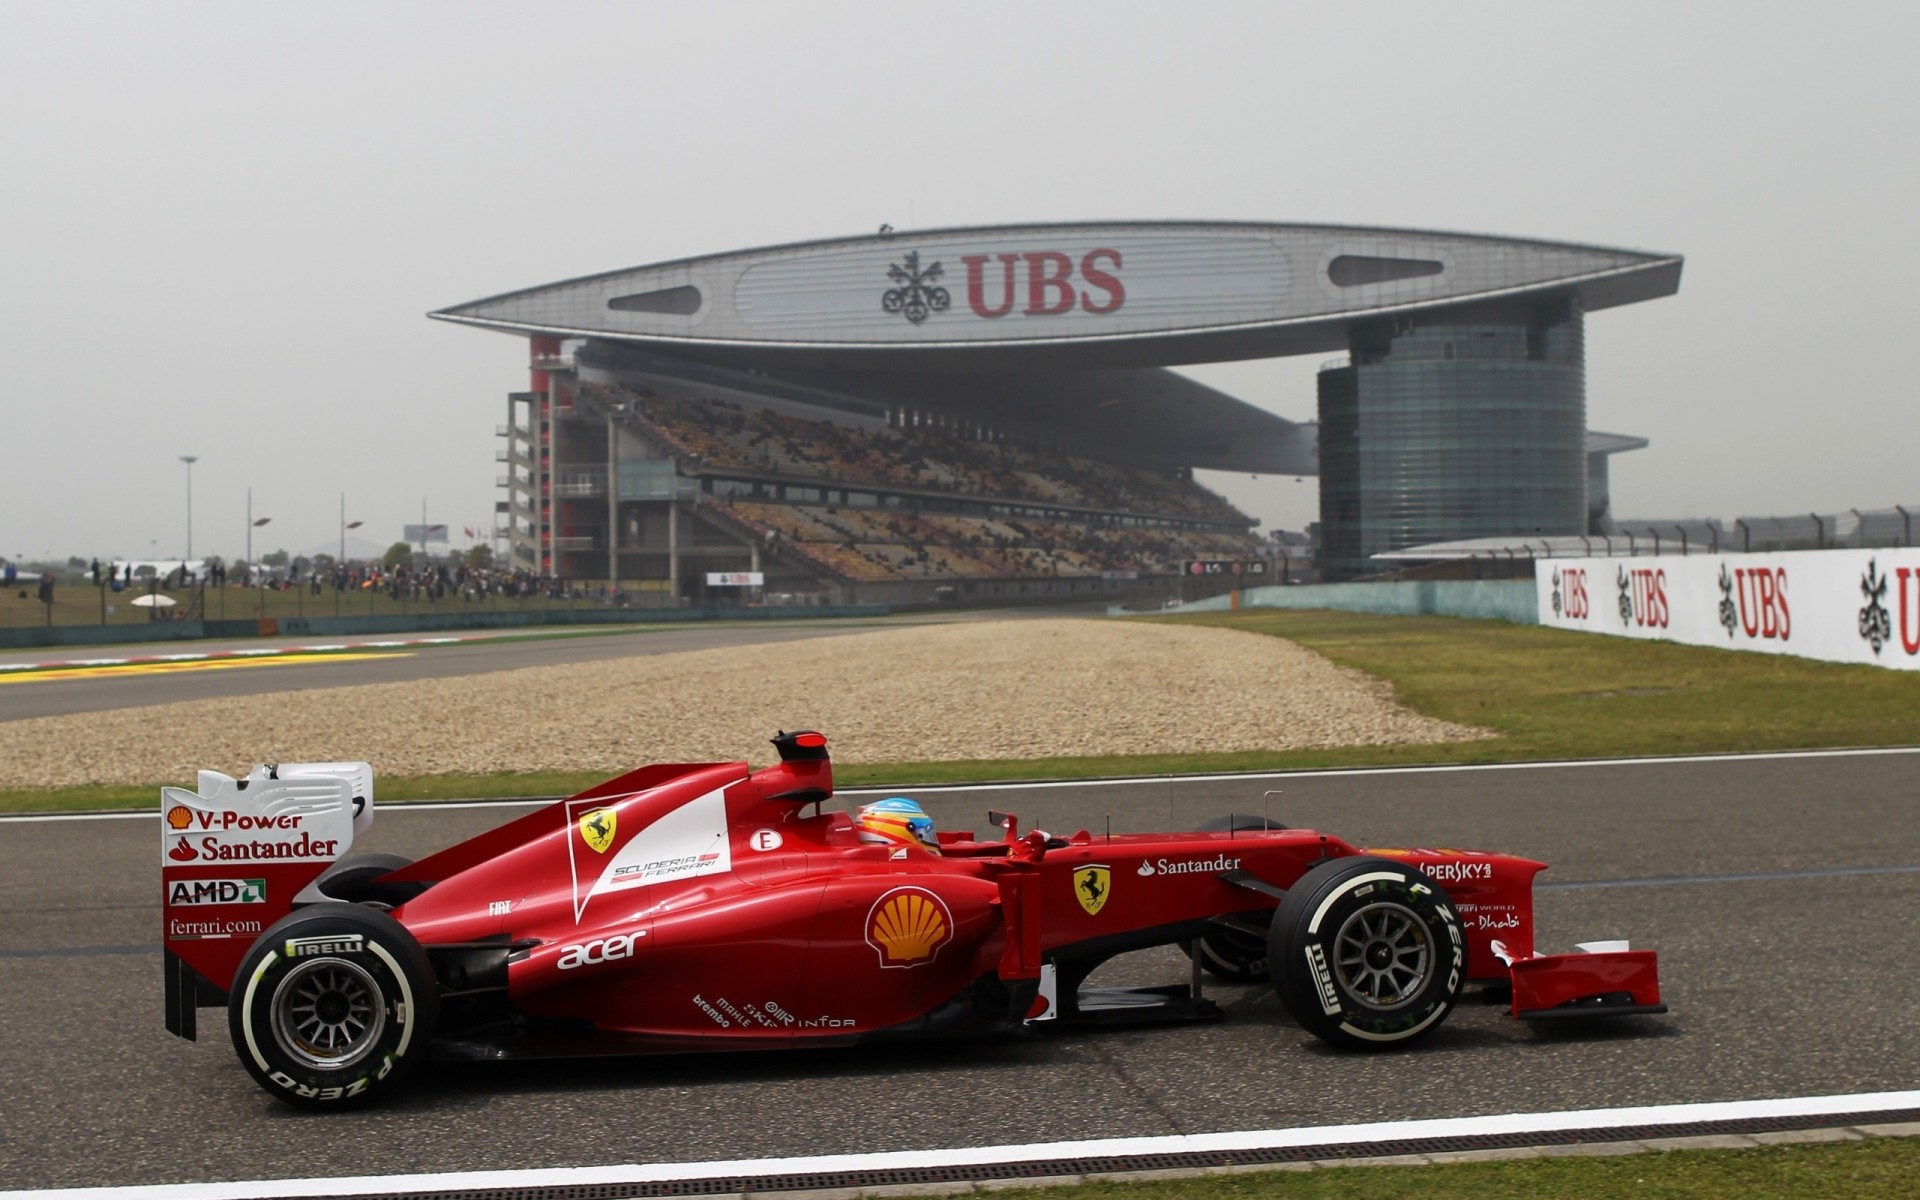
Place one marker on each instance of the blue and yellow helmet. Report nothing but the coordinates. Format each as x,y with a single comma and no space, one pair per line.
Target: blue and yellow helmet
898,821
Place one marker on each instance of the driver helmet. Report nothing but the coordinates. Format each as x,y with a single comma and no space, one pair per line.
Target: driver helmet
898,821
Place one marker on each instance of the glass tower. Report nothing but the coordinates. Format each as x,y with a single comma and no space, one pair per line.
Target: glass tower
1453,425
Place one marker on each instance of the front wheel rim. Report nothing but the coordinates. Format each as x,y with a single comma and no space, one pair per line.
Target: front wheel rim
1383,956
328,1014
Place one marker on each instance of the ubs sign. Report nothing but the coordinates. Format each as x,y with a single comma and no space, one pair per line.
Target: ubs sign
1051,288
961,289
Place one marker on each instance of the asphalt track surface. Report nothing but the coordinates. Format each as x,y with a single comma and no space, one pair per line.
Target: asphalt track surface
1780,892
37,694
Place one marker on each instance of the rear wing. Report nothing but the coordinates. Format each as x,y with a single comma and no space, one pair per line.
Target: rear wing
233,855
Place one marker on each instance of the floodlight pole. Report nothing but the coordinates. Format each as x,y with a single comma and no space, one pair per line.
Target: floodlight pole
189,459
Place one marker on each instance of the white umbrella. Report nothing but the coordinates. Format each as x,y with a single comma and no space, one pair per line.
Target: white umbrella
154,600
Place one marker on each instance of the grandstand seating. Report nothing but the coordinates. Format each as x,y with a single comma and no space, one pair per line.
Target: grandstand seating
874,544
723,436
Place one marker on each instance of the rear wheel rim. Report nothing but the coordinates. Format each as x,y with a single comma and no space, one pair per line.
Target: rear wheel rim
328,1014
1383,956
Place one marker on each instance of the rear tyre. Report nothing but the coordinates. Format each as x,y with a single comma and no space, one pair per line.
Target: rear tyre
1231,955
1369,953
333,1006
355,880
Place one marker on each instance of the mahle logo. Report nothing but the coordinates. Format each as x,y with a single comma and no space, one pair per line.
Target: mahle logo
216,891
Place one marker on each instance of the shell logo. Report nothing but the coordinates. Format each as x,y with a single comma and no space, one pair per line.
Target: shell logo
907,927
179,816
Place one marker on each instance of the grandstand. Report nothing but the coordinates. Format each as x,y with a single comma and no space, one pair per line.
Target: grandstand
992,411
836,501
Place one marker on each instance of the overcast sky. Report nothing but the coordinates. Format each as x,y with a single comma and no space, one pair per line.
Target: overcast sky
223,224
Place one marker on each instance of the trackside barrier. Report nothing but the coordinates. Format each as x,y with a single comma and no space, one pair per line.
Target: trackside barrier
428,622
1499,600
1849,606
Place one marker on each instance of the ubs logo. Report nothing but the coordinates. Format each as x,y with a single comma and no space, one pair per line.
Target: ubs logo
916,295
1049,281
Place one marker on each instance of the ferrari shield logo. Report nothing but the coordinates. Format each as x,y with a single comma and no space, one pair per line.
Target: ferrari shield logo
596,828
1091,885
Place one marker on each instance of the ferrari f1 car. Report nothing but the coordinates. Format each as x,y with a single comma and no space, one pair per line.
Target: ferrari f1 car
711,907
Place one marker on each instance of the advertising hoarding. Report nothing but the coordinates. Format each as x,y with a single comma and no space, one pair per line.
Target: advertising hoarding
1857,606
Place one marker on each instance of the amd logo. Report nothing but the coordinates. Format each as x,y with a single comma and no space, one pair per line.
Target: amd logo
1050,284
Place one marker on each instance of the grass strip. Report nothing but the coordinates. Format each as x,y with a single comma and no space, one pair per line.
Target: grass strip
1548,694
1553,693
1880,1168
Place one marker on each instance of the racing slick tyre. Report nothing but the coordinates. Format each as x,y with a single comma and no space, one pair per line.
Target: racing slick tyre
332,1006
1232,955
1368,953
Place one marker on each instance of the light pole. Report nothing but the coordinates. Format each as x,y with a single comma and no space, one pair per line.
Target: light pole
252,525
260,597
189,459
344,526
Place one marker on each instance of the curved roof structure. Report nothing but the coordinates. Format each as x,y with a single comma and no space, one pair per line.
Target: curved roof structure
1059,297
1063,330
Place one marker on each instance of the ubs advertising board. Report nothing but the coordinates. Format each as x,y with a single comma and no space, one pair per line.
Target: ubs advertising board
1854,606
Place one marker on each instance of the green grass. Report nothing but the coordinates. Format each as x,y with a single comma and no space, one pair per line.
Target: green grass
1548,694
1874,1169
1556,694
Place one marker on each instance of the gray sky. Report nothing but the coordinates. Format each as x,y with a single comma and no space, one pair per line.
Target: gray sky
222,224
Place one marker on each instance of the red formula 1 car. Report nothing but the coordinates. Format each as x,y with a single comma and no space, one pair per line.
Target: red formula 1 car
708,907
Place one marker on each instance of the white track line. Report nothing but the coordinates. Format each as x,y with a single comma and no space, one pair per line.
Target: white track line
1129,781
1507,1124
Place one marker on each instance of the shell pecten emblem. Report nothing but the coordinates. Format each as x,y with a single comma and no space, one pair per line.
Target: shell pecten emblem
596,828
907,926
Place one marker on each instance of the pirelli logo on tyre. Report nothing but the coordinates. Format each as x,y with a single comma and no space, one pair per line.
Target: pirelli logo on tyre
1322,979
309,947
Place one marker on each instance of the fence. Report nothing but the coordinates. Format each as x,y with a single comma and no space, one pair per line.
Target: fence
87,604
1501,600
1854,529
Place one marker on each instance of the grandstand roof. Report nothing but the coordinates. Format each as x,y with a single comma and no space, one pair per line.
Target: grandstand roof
1613,443
1061,331
1059,297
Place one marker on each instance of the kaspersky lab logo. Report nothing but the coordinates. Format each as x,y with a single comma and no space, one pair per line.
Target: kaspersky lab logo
183,892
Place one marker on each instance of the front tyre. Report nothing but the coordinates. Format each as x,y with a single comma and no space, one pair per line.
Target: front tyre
1368,953
332,1006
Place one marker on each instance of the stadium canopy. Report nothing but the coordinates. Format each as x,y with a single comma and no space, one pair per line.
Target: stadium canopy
1065,329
